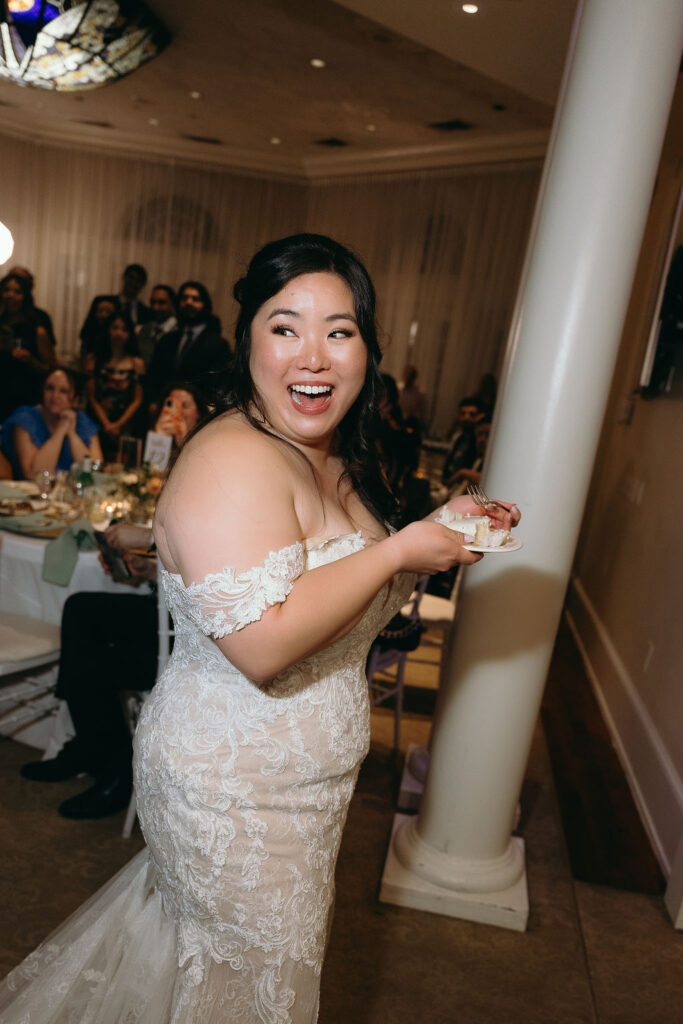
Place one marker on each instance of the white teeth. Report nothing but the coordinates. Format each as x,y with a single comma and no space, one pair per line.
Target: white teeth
312,389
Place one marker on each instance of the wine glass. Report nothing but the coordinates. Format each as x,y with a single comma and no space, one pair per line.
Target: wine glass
44,481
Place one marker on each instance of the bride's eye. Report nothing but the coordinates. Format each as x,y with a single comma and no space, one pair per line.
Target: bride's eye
284,330
340,334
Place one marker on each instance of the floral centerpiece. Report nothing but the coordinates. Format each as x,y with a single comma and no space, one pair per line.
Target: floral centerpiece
142,487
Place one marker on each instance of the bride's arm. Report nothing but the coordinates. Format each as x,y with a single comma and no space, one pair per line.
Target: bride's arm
229,507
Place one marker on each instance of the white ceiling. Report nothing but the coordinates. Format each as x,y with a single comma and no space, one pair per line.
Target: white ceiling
395,65
521,43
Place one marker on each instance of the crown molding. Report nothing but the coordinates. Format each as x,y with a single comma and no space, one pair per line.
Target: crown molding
469,151
512,148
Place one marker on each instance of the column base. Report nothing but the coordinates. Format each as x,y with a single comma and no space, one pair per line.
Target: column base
410,792
506,908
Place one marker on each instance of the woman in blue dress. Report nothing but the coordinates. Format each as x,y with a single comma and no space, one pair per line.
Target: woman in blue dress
50,435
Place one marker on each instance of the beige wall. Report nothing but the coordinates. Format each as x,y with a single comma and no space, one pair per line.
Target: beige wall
626,597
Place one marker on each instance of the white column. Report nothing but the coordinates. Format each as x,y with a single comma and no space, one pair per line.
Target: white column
458,856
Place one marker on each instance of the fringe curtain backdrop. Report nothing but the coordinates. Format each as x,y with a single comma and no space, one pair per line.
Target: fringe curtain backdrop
444,249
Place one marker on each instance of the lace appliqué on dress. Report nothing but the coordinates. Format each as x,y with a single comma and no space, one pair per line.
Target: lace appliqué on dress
223,601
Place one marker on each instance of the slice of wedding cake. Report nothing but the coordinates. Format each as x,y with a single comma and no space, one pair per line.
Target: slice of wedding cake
477,529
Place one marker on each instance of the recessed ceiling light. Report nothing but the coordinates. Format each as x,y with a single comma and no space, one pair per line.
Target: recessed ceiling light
194,95
275,141
371,127
470,8
154,121
316,62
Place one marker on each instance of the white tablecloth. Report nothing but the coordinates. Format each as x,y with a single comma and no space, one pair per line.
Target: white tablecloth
23,589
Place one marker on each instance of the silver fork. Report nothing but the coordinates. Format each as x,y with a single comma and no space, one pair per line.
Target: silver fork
479,497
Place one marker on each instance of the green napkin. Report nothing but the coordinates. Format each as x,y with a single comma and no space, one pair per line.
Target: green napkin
8,491
61,554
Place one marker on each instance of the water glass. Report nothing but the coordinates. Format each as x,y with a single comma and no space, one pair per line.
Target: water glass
44,481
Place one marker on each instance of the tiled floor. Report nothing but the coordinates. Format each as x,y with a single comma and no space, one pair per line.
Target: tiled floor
591,955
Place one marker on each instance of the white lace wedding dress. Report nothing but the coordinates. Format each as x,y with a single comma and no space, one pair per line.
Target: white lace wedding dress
242,792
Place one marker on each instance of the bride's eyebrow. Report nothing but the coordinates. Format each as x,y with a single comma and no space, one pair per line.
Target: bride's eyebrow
284,312
340,316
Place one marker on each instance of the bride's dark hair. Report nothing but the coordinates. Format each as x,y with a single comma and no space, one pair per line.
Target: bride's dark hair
269,271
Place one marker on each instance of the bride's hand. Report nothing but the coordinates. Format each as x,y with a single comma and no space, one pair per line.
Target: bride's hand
501,518
428,547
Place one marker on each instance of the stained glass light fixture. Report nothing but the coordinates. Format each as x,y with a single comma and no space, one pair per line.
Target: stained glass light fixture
66,45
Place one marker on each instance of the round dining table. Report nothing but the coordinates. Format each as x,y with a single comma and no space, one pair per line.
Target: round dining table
23,589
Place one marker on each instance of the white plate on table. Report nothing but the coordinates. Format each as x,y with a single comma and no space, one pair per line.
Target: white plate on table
17,506
26,487
513,544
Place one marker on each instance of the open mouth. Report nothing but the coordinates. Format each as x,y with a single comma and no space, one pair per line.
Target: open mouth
311,398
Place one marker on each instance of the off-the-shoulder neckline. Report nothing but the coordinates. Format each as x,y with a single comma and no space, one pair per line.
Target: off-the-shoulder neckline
305,544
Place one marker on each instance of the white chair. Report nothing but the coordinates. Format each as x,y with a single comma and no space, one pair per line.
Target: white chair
391,662
26,643
136,698
27,701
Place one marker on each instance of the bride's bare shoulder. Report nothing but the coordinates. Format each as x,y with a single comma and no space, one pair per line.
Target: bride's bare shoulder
227,455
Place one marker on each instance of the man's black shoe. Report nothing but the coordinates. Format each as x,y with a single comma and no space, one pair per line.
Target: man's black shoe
107,796
66,765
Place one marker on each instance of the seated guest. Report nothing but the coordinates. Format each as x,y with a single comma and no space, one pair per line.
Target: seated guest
182,406
43,318
50,435
94,334
193,351
162,304
462,450
487,394
472,475
133,281
25,350
109,643
114,392
412,399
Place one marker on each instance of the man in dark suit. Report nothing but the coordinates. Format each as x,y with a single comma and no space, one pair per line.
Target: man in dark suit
127,301
194,350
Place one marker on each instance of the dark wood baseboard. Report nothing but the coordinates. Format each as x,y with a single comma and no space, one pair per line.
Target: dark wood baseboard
606,841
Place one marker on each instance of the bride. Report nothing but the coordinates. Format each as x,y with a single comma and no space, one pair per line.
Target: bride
280,566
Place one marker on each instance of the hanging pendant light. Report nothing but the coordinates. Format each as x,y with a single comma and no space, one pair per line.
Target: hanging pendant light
66,45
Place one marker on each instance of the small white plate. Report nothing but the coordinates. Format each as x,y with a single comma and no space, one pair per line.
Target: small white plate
513,544
26,487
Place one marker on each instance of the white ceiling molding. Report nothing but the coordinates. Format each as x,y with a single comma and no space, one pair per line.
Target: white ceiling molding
520,147
467,151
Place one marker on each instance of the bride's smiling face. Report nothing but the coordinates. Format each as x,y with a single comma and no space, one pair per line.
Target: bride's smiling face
308,358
